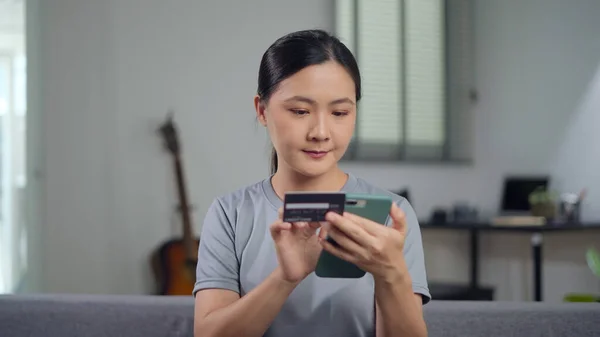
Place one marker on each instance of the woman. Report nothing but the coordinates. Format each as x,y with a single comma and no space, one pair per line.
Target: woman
255,272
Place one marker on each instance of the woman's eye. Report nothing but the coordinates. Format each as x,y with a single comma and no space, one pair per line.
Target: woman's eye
299,111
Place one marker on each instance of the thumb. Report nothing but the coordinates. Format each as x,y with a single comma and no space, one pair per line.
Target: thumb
398,218
279,226
323,230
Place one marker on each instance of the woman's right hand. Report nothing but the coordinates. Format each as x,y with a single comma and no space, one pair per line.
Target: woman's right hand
298,248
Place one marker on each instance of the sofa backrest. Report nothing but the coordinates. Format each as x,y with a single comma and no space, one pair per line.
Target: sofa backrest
499,319
149,316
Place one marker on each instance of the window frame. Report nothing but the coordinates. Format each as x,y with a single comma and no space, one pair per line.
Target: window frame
405,152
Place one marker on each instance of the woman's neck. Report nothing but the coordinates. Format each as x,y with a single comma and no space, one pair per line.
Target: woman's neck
284,181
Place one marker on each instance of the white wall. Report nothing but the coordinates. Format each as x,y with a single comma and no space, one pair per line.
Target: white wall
111,69
535,62
577,161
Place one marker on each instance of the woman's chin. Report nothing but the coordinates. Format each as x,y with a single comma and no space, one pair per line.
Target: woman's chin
314,169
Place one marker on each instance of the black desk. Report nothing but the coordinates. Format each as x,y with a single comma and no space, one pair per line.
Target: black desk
536,243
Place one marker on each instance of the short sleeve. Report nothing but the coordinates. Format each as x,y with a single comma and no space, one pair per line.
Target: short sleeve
217,261
413,252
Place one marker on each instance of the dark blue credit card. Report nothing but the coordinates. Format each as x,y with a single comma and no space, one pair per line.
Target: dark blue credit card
312,206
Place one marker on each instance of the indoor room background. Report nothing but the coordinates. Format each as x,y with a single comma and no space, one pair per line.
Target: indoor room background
102,76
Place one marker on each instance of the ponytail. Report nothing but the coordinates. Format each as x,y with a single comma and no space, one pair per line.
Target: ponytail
273,161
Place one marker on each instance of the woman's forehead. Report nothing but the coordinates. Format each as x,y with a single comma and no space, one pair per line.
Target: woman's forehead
318,82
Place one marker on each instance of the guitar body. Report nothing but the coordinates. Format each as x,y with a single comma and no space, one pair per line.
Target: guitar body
173,271
174,261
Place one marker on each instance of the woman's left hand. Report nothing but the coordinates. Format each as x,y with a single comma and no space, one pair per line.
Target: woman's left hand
373,247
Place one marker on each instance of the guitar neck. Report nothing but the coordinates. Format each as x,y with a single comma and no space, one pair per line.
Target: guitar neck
188,240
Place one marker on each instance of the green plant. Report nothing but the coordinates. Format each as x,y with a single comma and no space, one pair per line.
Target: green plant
541,195
593,261
592,257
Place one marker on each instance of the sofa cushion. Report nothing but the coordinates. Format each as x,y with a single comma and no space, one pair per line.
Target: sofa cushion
149,316
500,319
96,316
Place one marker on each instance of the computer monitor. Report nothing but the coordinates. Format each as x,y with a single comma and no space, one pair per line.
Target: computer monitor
515,197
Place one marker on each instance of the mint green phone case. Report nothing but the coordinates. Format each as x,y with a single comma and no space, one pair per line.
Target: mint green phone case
373,207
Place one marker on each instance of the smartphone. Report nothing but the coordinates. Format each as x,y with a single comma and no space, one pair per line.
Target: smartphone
373,207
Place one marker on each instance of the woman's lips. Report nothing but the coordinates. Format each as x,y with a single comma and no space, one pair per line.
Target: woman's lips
315,154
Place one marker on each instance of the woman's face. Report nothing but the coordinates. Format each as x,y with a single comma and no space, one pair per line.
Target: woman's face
311,118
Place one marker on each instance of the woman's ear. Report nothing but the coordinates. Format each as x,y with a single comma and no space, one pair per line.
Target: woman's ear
260,108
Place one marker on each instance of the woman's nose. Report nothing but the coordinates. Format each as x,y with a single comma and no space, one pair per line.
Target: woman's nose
320,128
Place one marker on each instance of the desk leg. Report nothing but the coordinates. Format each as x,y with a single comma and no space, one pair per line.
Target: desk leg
474,236
536,245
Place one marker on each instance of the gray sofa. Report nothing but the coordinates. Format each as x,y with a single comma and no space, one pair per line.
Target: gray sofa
149,316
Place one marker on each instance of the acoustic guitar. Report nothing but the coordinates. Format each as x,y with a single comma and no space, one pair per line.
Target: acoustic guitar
174,262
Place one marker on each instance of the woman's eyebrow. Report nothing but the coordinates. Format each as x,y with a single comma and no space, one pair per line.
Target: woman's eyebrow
313,102
341,100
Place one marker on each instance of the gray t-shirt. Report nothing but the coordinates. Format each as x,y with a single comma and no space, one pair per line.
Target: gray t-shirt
237,253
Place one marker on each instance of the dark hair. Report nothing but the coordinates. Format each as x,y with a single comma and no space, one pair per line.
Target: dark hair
296,51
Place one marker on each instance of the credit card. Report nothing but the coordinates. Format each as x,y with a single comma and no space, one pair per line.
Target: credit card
312,206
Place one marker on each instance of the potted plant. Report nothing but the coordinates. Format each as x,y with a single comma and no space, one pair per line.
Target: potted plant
543,202
592,257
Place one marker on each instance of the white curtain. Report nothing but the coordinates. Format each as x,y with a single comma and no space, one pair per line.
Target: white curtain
13,120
